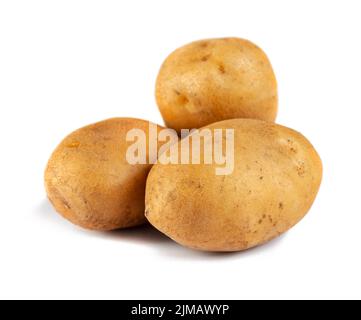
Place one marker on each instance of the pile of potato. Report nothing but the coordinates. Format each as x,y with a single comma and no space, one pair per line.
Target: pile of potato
217,84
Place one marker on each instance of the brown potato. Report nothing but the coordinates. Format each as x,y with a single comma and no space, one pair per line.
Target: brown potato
276,177
90,182
214,80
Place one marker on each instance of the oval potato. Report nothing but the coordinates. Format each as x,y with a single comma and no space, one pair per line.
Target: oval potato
214,80
90,182
277,174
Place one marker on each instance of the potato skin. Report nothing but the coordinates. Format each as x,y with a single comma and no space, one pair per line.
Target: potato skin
276,178
213,80
89,181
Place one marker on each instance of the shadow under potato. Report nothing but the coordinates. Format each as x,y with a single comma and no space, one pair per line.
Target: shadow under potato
149,236
143,234
166,247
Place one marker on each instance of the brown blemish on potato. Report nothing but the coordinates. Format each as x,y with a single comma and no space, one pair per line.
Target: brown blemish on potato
182,99
73,145
222,69
291,145
66,204
260,221
301,169
172,196
280,206
205,58
261,177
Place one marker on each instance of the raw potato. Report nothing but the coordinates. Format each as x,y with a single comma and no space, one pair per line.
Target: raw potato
275,180
214,80
89,181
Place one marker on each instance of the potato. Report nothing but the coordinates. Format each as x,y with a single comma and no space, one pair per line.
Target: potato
276,176
214,80
90,182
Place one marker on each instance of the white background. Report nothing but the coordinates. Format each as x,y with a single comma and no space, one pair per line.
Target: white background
65,64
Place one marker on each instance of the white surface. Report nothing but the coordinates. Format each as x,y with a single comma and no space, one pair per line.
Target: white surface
64,64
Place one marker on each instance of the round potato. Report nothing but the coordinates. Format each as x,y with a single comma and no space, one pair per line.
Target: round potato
90,182
214,80
276,176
